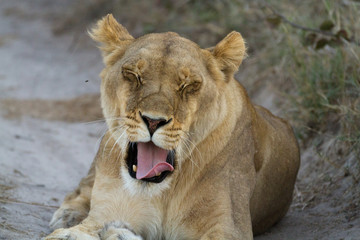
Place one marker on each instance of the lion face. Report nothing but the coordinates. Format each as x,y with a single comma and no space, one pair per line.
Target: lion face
159,89
161,96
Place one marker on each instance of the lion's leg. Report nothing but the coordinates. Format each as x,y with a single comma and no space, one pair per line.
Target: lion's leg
87,230
90,230
229,232
76,205
70,234
226,230
99,224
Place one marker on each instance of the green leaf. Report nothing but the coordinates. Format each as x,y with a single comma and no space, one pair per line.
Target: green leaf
310,39
342,34
327,25
273,20
321,43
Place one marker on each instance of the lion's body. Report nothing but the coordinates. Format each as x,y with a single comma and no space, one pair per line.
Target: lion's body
235,163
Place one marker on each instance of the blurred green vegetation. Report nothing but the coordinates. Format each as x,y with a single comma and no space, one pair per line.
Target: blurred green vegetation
324,69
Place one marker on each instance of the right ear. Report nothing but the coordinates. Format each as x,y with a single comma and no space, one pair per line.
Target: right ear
110,34
230,53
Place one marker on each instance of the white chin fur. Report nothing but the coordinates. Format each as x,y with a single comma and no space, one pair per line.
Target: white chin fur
138,187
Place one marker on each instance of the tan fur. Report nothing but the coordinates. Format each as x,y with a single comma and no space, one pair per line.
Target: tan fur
236,163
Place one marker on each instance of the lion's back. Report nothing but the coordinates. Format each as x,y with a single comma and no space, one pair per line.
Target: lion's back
277,161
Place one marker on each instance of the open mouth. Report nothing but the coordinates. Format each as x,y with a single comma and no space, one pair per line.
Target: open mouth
148,162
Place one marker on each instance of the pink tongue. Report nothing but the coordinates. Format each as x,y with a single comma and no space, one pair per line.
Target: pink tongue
151,160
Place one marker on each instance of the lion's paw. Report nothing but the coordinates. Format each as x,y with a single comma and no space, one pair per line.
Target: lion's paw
118,231
66,217
69,234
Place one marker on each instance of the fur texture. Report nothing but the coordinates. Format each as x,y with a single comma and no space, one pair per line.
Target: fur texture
235,163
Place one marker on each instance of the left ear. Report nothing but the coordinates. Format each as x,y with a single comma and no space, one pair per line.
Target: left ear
230,52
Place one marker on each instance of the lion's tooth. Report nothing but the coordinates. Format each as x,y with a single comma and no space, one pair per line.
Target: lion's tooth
158,174
134,168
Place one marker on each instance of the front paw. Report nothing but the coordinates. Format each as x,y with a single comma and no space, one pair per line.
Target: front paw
66,217
118,231
69,234
63,234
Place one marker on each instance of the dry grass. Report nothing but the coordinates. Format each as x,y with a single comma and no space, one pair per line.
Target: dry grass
325,92
84,108
320,78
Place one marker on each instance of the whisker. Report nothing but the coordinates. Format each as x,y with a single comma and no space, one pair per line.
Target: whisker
104,119
100,138
111,136
124,131
195,147
190,153
95,121
187,133
103,134
190,157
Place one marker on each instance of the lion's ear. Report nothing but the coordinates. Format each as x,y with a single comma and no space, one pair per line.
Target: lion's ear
110,34
230,52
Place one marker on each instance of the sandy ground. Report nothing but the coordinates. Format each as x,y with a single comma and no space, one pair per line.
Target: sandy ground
48,95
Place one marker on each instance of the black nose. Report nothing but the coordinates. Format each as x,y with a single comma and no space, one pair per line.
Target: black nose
154,124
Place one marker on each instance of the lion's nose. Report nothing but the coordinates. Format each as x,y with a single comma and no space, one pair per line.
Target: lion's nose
154,124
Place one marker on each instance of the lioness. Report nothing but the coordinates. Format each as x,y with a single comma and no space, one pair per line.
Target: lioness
186,154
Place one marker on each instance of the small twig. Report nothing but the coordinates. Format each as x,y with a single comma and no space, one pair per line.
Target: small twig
9,200
297,25
326,33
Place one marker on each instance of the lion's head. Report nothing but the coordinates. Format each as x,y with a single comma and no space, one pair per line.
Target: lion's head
162,95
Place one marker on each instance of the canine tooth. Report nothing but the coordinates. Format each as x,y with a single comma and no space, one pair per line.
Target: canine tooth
134,168
158,174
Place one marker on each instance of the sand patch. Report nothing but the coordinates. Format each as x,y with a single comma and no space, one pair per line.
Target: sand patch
80,109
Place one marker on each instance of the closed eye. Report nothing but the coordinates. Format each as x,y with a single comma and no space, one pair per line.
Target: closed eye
189,88
132,76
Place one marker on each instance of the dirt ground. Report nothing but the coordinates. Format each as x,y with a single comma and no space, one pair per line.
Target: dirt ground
49,100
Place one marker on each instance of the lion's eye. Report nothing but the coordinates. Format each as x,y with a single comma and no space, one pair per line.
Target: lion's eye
132,76
189,88
182,87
